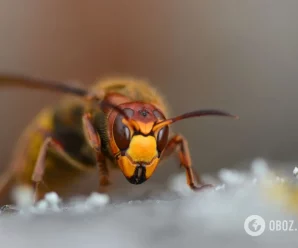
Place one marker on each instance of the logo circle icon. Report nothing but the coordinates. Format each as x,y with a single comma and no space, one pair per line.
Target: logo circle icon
254,225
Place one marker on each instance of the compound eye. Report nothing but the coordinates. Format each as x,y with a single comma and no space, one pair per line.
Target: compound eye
162,138
163,134
121,132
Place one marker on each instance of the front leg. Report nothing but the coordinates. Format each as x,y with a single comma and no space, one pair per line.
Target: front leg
183,151
40,165
94,141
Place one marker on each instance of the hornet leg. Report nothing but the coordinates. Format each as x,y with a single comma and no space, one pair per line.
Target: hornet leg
94,141
40,164
183,151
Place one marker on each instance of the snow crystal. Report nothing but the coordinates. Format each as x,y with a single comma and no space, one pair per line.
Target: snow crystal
260,168
97,200
52,198
231,177
23,196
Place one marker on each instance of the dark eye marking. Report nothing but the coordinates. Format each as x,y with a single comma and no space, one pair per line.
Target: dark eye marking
163,134
121,132
162,138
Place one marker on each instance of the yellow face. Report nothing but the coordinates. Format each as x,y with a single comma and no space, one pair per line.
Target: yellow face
138,148
140,160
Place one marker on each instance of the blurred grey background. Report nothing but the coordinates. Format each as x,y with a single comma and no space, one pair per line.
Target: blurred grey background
240,56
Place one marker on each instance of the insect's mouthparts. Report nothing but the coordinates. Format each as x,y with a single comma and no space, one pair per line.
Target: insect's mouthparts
139,175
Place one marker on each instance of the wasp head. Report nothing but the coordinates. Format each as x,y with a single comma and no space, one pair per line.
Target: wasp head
134,142
139,134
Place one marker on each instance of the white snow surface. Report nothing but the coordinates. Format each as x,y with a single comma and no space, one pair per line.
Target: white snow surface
175,217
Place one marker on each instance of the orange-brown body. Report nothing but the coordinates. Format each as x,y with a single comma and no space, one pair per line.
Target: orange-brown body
60,173
118,122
